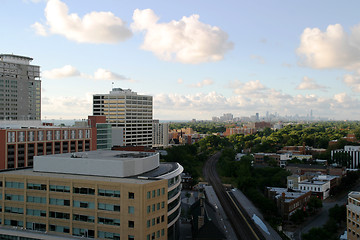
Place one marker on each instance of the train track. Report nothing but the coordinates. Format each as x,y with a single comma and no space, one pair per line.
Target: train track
243,226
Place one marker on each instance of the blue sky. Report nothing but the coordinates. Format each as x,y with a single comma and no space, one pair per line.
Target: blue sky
197,58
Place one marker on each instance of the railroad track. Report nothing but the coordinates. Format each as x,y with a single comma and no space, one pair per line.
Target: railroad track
242,224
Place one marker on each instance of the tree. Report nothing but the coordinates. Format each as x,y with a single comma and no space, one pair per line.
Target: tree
314,203
297,217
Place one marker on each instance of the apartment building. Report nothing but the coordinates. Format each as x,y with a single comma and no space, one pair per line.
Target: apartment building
19,145
98,194
20,88
129,111
353,212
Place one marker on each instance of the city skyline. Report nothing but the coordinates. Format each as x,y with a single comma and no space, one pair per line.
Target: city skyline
198,59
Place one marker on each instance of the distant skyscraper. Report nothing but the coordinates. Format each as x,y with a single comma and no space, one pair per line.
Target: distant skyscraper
20,88
127,110
257,117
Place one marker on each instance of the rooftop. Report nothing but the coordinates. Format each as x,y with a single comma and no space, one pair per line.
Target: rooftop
289,195
355,195
99,163
11,58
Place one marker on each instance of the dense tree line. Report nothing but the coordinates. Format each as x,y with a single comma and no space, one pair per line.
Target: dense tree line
201,127
316,135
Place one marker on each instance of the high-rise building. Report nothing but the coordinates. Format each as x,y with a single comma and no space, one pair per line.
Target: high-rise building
126,109
160,134
98,194
353,212
20,88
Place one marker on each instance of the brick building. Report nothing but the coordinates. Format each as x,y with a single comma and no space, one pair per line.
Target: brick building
18,146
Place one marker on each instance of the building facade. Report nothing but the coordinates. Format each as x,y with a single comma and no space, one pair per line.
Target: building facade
349,156
18,146
128,110
353,212
20,88
57,197
160,134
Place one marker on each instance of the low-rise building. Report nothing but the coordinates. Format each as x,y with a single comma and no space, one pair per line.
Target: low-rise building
293,181
19,144
318,188
288,201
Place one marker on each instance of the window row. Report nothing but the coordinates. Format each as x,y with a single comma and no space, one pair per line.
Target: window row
154,221
154,207
155,193
152,236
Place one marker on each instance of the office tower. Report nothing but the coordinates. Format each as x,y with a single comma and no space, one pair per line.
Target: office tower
129,111
98,194
353,212
160,134
20,88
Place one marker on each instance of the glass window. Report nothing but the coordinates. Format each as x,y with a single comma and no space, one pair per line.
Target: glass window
83,218
131,209
109,221
81,190
19,185
131,224
109,193
36,199
36,186
131,195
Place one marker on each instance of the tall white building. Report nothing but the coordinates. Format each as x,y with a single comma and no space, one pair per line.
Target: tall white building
20,88
129,111
160,134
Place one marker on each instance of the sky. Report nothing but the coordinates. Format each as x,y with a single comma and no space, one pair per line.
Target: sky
198,59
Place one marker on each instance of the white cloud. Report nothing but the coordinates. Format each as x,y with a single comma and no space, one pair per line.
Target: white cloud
309,84
205,82
180,81
66,107
333,48
70,71
248,87
103,74
353,81
94,27
64,72
259,59
187,40
39,29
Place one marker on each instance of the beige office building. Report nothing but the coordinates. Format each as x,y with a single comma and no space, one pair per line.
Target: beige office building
128,111
353,213
98,194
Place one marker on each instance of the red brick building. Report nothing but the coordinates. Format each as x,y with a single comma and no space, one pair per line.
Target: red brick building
18,146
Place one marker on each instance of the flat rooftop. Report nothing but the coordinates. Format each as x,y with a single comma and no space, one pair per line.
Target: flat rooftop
30,172
99,163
